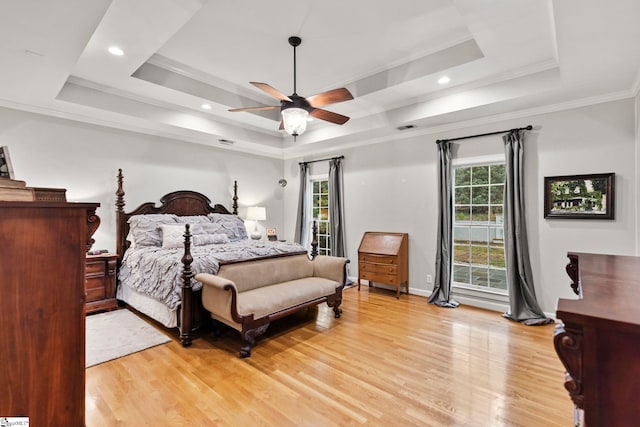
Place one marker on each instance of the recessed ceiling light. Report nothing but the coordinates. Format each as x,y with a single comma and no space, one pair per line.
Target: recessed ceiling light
206,107
444,80
115,50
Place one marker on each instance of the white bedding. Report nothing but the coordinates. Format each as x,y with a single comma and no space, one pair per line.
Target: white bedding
155,272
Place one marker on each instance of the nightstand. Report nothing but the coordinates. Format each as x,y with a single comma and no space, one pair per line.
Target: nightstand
100,283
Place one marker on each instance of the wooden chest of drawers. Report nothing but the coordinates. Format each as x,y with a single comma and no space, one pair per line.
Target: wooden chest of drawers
384,258
100,282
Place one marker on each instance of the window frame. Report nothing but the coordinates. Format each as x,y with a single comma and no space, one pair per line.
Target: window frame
464,163
322,250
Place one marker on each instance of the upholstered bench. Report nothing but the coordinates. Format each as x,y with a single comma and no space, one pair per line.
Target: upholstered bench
248,294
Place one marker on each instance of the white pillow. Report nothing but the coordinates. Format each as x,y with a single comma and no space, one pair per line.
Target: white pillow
209,239
172,235
145,229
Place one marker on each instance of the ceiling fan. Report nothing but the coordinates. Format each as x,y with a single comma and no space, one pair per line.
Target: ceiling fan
295,109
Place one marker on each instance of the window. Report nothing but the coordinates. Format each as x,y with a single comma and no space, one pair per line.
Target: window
478,231
320,212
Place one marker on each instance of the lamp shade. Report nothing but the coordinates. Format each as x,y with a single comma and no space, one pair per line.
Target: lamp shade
294,120
256,213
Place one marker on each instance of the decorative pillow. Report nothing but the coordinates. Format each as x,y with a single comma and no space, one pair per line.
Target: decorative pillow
172,235
145,229
209,239
231,225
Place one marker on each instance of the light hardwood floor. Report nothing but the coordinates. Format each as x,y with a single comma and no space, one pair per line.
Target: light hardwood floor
385,362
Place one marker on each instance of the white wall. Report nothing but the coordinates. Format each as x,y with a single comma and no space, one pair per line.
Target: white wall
84,159
392,187
388,187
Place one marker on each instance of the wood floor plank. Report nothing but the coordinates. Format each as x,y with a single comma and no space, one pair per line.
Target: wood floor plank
385,362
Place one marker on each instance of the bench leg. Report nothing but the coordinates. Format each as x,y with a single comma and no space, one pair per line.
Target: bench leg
249,339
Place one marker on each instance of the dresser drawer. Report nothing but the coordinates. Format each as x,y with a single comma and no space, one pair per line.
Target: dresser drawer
379,277
379,268
378,259
95,268
95,289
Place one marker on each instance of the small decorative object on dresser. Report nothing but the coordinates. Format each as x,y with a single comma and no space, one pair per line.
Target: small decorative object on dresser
6,170
384,258
100,282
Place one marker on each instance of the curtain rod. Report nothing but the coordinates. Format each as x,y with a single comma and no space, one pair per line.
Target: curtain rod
484,134
321,160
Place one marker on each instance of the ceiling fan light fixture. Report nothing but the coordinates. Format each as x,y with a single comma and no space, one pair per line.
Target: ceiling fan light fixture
294,120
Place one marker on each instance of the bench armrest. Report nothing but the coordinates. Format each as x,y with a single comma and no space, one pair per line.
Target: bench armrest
330,267
219,296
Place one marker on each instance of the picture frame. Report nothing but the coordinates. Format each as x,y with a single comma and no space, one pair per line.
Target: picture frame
6,169
272,234
588,196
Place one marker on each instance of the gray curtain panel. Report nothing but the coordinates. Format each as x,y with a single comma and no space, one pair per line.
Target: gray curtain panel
336,208
523,305
441,294
301,234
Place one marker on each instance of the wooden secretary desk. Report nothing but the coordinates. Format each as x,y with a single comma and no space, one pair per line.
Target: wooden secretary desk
384,258
42,294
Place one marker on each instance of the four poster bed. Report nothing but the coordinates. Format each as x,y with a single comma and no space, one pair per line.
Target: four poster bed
161,248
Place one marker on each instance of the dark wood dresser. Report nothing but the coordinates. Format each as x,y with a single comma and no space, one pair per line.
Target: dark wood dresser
599,339
42,295
384,258
100,282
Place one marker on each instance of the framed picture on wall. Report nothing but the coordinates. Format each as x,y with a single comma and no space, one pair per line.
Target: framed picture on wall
6,170
580,196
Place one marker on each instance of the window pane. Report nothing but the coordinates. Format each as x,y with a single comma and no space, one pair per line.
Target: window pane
479,277
316,200
479,235
324,186
322,228
324,200
463,213
461,274
480,175
316,212
463,176
498,279
463,196
497,174
496,215
497,194
461,254
322,241
479,254
461,235
324,214
496,256
480,195
480,214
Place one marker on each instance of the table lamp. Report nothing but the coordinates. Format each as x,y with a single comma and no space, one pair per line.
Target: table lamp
256,213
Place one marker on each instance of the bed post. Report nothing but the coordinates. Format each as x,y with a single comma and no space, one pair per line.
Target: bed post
120,238
235,198
186,306
314,240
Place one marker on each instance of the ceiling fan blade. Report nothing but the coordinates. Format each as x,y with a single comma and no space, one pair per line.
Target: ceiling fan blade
329,116
266,107
330,97
271,91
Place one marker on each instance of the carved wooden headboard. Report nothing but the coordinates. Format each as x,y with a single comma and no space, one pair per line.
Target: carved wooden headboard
180,203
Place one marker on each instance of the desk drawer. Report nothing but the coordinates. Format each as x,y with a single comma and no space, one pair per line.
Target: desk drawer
381,278
379,268
378,259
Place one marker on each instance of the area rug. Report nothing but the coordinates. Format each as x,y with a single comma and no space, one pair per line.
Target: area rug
116,334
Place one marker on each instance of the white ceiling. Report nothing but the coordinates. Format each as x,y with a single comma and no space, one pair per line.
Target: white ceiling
504,58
